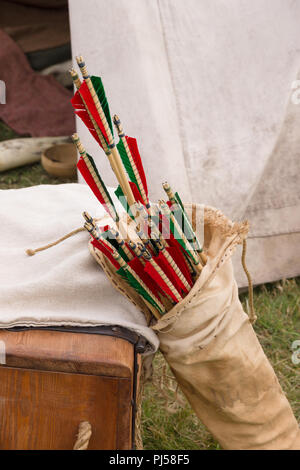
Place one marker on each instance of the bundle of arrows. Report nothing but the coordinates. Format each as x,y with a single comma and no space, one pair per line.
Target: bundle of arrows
156,252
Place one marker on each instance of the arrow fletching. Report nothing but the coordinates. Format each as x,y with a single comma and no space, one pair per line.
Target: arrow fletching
82,113
133,146
131,159
99,89
88,169
97,244
132,281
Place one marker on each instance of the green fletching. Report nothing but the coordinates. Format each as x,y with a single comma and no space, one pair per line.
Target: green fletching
116,245
122,253
122,273
119,192
191,235
177,197
183,222
177,235
188,229
120,195
126,162
137,287
99,89
92,162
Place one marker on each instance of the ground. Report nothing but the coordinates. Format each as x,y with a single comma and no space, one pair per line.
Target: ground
170,423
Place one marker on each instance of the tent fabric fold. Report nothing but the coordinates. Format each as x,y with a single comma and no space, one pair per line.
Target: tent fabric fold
219,83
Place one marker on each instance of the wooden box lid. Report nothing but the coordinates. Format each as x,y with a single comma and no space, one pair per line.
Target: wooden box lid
59,351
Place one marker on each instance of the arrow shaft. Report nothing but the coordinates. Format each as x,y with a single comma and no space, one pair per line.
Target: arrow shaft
189,249
121,134
126,267
115,160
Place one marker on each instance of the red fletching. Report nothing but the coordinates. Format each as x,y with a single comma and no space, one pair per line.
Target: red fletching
77,102
82,113
137,266
175,251
86,95
107,247
97,244
132,144
159,280
170,273
104,228
136,194
82,167
85,172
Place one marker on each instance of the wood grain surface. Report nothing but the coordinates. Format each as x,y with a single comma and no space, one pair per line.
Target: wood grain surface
51,381
42,410
68,352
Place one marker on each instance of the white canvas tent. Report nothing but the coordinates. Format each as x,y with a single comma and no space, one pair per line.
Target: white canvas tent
209,89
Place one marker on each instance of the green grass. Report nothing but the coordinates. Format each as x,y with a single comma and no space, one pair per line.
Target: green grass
169,423
6,132
29,175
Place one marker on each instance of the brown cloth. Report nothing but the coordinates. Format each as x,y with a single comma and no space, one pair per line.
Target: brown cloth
36,105
36,25
215,355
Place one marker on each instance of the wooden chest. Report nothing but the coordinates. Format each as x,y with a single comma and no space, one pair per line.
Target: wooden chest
50,381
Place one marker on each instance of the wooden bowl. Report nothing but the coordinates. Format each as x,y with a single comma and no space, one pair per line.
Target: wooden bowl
60,160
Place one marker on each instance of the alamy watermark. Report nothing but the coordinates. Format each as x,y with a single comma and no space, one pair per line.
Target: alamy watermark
2,92
296,352
177,225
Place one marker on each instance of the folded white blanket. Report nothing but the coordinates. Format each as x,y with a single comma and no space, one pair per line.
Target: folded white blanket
62,285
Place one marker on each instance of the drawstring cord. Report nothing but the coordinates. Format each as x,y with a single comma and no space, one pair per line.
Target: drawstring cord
33,252
251,311
83,436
